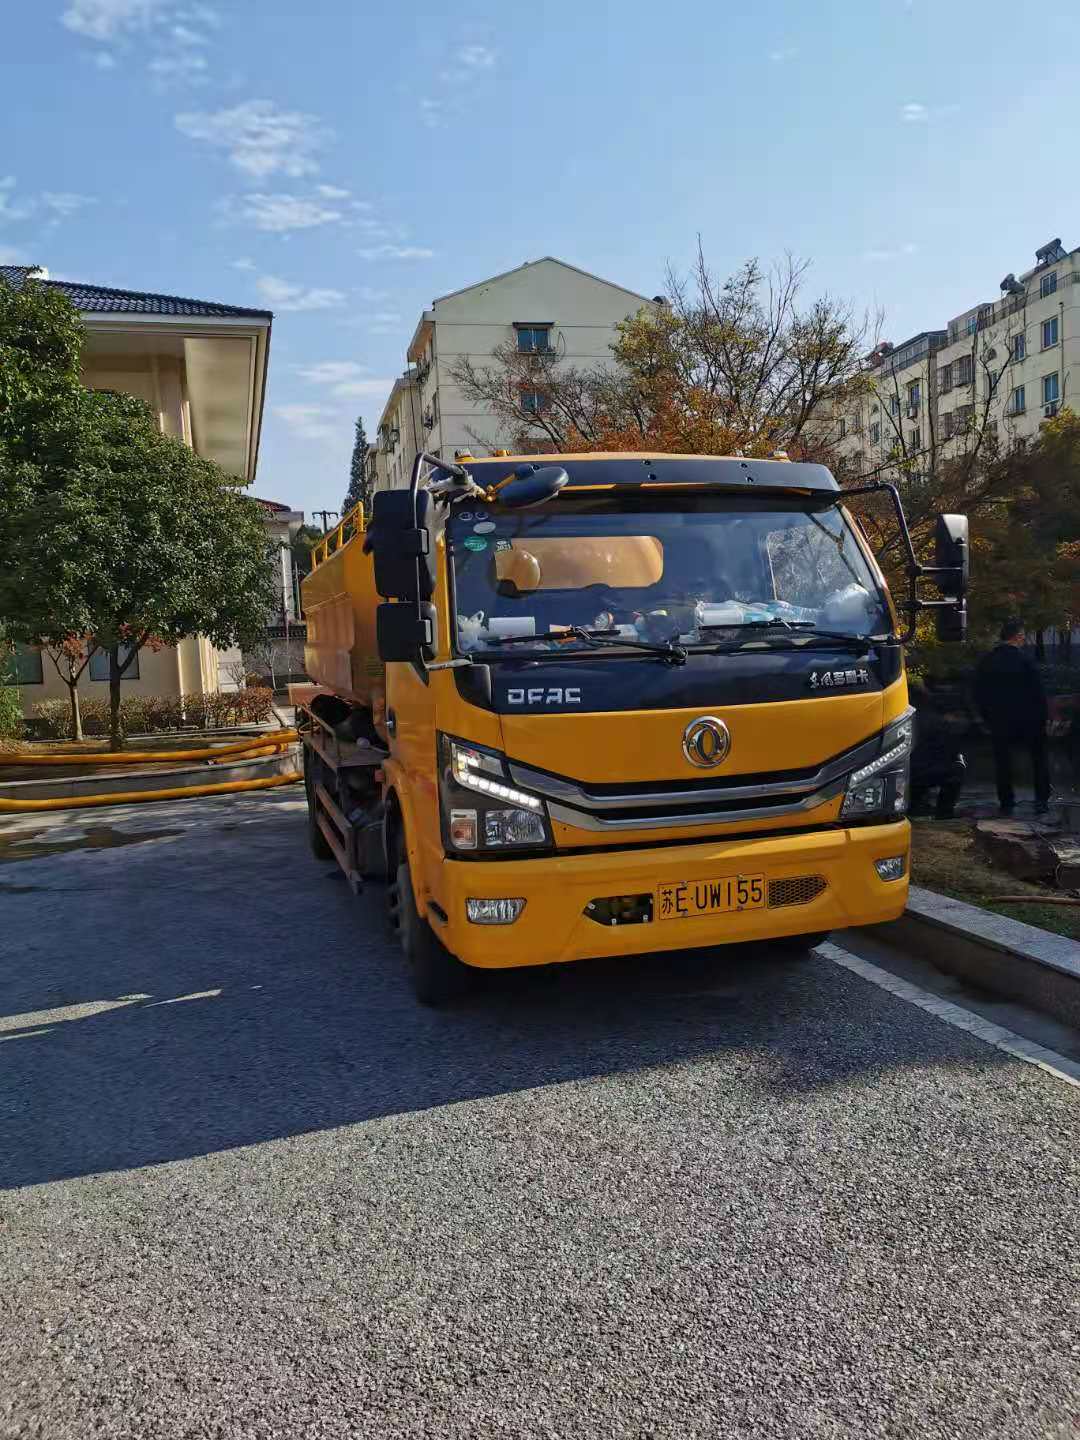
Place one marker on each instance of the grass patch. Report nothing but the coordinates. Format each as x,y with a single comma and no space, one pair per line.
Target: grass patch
944,859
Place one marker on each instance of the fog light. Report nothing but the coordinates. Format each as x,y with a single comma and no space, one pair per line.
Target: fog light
513,827
892,868
493,912
463,829
864,799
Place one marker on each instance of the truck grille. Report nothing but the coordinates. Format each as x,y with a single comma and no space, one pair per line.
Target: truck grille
798,890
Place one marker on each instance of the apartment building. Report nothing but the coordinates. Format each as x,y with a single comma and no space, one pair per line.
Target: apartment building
999,368
542,307
398,434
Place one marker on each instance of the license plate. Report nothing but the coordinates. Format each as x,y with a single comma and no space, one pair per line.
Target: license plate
687,898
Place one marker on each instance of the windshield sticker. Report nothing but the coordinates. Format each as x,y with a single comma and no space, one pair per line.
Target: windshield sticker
484,528
503,544
475,542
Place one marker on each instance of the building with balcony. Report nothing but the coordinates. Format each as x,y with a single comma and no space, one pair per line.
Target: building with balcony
542,307
998,369
201,367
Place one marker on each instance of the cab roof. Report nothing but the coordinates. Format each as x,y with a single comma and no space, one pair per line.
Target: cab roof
602,469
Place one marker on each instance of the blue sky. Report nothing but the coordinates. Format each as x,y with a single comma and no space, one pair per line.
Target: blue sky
344,163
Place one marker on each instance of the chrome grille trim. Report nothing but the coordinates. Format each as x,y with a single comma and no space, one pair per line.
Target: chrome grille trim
583,820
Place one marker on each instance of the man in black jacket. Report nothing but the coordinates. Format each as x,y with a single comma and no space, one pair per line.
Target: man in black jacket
936,761
1010,696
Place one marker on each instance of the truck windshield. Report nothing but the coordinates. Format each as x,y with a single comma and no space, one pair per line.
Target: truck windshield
658,569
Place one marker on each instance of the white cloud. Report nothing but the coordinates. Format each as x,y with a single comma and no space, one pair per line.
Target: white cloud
363,389
259,138
104,60
432,112
243,264
896,252
64,203
783,54
330,372
182,68
278,214
333,192
284,295
476,57
311,422
396,252
914,114
110,19
184,35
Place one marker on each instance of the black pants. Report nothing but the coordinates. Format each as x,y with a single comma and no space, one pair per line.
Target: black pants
1035,745
947,780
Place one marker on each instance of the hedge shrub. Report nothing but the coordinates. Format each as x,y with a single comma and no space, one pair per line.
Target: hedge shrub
10,713
156,714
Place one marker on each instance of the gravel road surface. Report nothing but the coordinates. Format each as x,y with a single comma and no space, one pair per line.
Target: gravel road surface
249,1189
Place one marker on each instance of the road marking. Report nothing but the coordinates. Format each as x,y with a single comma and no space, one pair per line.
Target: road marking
1054,1064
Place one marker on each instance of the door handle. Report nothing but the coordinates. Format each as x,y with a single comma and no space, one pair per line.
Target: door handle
391,724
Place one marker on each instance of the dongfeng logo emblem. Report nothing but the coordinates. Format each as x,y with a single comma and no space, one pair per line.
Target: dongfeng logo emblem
706,741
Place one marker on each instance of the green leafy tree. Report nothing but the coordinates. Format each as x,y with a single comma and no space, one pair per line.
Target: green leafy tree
357,493
108,528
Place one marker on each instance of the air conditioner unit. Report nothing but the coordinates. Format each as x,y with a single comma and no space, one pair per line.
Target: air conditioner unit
1049,411
913,411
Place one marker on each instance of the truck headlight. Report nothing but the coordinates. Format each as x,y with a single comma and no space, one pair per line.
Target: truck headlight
481,810
880,787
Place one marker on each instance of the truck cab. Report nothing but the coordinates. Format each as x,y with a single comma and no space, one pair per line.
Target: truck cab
613,704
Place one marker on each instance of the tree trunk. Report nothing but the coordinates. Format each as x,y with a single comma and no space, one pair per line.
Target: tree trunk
76,711
116,738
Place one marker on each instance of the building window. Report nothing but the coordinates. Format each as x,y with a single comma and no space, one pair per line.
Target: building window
914,390
1019,347
1050,332
948,425
1017,404
533,339
894,405
875,433
915,440
944,378
1048,284
1050,389
965,369
843,427
23,667
972,324
533,402
99,664
965,418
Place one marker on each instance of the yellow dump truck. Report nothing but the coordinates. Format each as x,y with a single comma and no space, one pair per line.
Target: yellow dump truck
583,705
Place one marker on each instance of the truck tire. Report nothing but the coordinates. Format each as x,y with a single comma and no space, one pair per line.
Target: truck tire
796,947
435,974
316,839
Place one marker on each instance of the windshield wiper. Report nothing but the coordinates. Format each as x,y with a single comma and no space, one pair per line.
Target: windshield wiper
595,640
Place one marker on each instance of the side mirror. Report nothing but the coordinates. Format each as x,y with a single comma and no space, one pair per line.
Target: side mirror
404,552
951,623
951,555
531,485
403,634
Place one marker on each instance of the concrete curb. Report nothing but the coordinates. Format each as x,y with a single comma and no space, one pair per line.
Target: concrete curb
1007,957
137,779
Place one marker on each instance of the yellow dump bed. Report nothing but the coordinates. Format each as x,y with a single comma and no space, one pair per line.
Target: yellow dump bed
339,601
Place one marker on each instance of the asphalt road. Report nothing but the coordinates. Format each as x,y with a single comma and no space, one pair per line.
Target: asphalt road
251,1190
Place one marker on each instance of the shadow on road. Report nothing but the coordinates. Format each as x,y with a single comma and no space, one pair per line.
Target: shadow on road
162,1006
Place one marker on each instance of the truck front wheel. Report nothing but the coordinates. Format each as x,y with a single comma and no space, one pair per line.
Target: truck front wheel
435,974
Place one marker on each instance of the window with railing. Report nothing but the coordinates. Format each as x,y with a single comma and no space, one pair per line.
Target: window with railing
533,339
1050,390
1018,348
1048,284
965,418
1050,332
965,370
875,433
1017,401
944,378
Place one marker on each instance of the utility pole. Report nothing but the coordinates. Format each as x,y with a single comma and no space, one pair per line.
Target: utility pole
324,516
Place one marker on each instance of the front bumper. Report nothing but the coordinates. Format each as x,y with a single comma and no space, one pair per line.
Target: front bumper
556,888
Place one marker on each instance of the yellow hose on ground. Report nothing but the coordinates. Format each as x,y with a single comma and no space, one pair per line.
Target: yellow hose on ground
131,797
277,738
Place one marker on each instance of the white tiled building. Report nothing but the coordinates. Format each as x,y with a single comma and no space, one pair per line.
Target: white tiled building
542,306
1002,366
